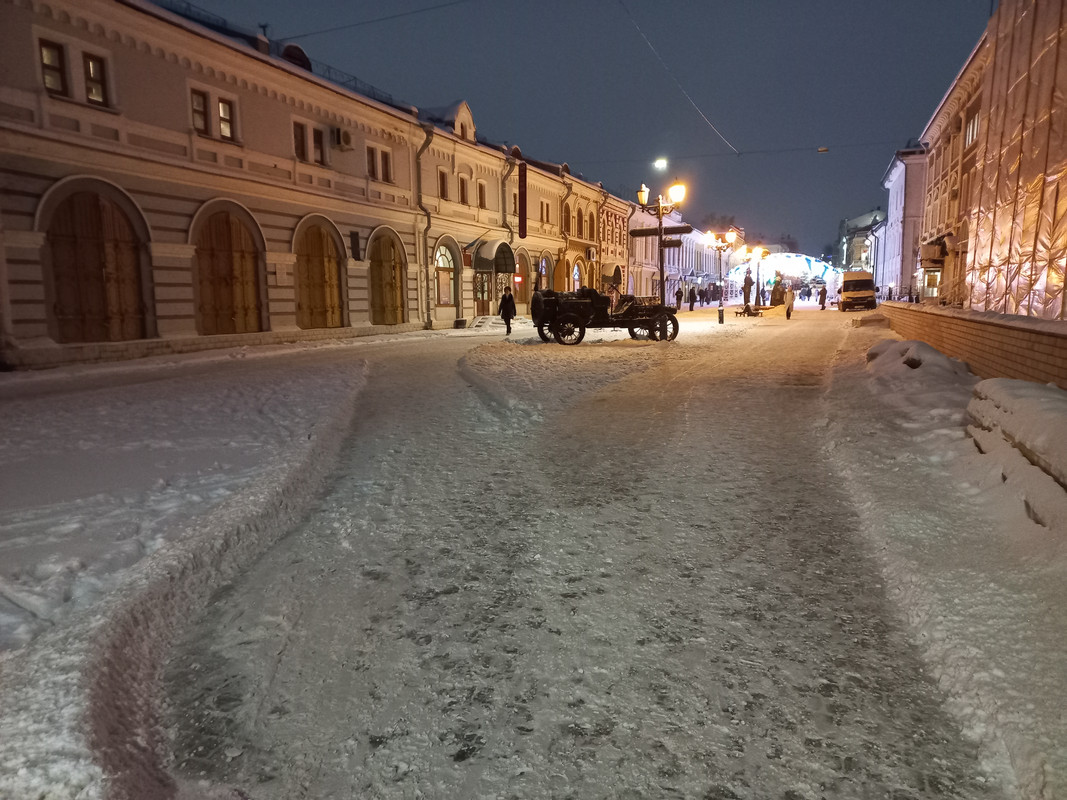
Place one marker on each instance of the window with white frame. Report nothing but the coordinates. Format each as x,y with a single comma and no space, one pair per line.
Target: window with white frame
442,184
482,195
446,277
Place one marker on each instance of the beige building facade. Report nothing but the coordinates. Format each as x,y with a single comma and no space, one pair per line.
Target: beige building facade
165,187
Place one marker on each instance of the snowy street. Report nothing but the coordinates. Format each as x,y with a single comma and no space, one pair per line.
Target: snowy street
648,584
762,561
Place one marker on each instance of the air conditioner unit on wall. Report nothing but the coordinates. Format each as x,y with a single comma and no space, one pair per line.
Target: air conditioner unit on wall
340,138
590,253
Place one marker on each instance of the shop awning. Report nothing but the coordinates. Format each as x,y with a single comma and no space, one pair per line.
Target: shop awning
494,256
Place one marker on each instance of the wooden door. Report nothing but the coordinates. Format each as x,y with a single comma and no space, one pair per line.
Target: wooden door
386,282
483,301
96,272
226,277
318,294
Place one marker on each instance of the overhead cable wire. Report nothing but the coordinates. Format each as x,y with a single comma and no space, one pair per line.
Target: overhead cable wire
695,156
670,74
376,19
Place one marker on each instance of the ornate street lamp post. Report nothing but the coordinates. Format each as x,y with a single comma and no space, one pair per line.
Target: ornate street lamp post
721,245
758,253
675,195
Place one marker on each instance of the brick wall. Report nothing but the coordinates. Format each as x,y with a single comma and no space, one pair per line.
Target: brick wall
993,345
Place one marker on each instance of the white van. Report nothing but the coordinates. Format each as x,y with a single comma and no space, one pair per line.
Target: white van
857,291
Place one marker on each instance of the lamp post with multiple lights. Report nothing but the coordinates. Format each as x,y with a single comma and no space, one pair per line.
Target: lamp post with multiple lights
661,207
721,245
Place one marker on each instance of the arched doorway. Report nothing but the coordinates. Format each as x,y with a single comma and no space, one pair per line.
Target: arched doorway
522,278
386,280
97,292
227,283
318,279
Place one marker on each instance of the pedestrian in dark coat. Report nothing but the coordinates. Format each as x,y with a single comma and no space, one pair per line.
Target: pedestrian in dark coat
748,286
678,295
692,297
507,308
822,297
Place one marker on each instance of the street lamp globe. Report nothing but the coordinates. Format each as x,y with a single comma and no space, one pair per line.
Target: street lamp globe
676,193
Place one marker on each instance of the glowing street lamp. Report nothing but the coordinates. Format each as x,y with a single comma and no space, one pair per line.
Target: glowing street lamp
675,196
720,246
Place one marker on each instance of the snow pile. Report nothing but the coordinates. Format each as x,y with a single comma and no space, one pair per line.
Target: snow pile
971,536
1025,425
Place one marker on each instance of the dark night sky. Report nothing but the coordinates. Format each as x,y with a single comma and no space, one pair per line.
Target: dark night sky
575,81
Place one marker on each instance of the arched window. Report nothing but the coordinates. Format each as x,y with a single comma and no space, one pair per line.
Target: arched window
566,218
446,277
591,227
578,231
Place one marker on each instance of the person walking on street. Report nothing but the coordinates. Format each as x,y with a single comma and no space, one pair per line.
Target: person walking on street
692,297
507,308
678,295
788,298
822,297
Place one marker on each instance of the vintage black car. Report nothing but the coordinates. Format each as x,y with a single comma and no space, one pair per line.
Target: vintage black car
567,315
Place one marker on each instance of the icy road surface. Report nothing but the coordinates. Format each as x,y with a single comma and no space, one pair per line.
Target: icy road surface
633,574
